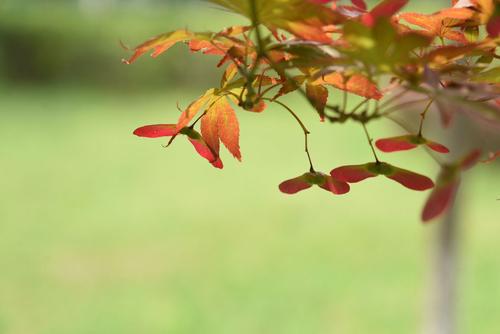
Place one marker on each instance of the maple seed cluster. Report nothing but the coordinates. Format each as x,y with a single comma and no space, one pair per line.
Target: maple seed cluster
385,60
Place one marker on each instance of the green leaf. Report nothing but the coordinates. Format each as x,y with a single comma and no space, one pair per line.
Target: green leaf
489,76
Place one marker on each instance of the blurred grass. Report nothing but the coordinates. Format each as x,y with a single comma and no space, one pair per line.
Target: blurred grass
70,47
102,232
105,233
52,42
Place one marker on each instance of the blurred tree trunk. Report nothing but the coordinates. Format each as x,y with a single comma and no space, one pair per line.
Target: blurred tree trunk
441,311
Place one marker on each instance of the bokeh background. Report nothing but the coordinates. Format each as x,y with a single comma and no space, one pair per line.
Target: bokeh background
102,232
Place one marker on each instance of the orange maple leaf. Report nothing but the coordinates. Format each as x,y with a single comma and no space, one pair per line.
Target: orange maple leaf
357,84
220,124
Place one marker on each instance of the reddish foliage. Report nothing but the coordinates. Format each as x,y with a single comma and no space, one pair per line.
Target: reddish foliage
315,47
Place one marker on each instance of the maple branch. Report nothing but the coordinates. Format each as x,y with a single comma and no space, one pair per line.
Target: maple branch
282,72
254,13
249,76
304,129
262,53
342,117
255,24
260,81
377,107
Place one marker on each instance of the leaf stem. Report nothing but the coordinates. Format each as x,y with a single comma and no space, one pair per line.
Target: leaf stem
422,117
265,91
206,110
304,129
370,141
359,105
344,97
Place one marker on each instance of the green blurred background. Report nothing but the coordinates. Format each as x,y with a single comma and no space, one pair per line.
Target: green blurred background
102,232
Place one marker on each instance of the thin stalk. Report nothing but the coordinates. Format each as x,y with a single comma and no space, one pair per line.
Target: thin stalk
304,130
359,105
344,98
265,91
376,109
370,142
422,117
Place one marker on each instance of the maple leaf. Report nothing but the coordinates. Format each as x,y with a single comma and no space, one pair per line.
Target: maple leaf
383,44
318,96
440,24
194,108
492,17
447,184
357,84
304,19
489,76
360,4
408,142
386,8
354,49
290,85
443,56
303,55
159,44
206,42
493,26
220,124
357,173
307,180
483,10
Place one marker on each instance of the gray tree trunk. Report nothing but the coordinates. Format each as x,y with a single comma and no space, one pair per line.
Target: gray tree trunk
442,299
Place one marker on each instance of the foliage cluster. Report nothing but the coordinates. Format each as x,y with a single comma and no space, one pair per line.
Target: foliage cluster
446,59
